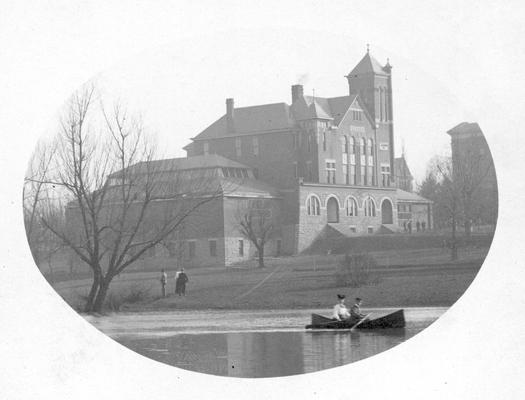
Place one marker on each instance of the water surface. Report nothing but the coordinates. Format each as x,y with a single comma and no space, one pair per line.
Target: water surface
253,343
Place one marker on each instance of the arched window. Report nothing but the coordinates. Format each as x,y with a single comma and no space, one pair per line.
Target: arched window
352,145
344,143
313,206
370,207
351,207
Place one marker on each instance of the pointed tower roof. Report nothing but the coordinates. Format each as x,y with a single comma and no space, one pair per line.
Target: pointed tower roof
368,64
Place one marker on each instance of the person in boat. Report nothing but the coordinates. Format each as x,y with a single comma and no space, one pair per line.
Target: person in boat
355,310
340,311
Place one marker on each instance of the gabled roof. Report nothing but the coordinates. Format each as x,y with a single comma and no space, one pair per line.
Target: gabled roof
401,167
367,65
250,120
183,163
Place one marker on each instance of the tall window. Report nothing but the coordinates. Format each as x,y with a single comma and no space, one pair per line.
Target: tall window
309,143
351,207
295,140
313,206
352,175
206,147
385,174
241,248
330,171
362,161
324,141
357,115
213,248
238,151
369,207
344,141
370,161
255,143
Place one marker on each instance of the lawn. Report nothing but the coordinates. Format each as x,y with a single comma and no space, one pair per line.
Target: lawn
417,277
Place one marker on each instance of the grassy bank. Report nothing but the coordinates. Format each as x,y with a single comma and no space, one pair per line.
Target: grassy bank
422,277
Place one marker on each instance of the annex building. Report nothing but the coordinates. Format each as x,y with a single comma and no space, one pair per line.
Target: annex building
314,162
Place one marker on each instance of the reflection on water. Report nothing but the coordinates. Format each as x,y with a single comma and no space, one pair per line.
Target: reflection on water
266,344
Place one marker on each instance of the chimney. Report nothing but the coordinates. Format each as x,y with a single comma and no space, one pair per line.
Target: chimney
297,92
229,115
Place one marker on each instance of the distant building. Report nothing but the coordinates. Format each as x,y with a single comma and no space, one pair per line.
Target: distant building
402,174
472,162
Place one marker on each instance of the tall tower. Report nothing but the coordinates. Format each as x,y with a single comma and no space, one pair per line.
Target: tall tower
373,83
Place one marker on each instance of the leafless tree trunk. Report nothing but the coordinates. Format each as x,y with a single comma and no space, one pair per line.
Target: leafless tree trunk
257,226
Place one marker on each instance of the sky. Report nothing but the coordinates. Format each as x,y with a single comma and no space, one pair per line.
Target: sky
180,88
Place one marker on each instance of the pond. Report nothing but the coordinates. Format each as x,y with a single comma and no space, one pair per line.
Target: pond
253,344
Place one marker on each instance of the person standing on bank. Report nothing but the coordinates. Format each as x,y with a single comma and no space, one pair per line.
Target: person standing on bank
163,282
340,311
180,283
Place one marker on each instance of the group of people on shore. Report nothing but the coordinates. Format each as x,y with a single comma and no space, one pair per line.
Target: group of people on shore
420,226
181,279
341,312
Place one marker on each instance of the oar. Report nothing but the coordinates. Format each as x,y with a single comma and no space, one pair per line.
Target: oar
360,321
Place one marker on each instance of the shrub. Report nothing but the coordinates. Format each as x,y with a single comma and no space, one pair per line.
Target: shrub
354,270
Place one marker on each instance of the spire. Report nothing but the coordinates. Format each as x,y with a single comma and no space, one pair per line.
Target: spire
368,64
387,68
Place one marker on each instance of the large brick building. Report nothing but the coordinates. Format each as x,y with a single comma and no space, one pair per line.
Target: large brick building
330,159
311,163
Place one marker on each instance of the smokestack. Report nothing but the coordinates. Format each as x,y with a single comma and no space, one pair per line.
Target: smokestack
229,114
297,93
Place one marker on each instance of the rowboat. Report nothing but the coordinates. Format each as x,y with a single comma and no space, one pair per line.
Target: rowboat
393,320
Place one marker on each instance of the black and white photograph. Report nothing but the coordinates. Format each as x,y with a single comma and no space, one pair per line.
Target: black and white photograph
299,199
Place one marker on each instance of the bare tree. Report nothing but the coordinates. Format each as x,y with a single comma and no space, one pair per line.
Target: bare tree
257,225
120,201
455,186
36,198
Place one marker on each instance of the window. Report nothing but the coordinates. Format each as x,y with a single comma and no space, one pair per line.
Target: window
213,248
369,207
241,248
362,160
313,206
385,174
357,115
191,249
370,229
352,175
309,143
370,164
206,147
238,144
295,170
353,229
255,143
324,141
344,142
330,171
295,141
351,207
